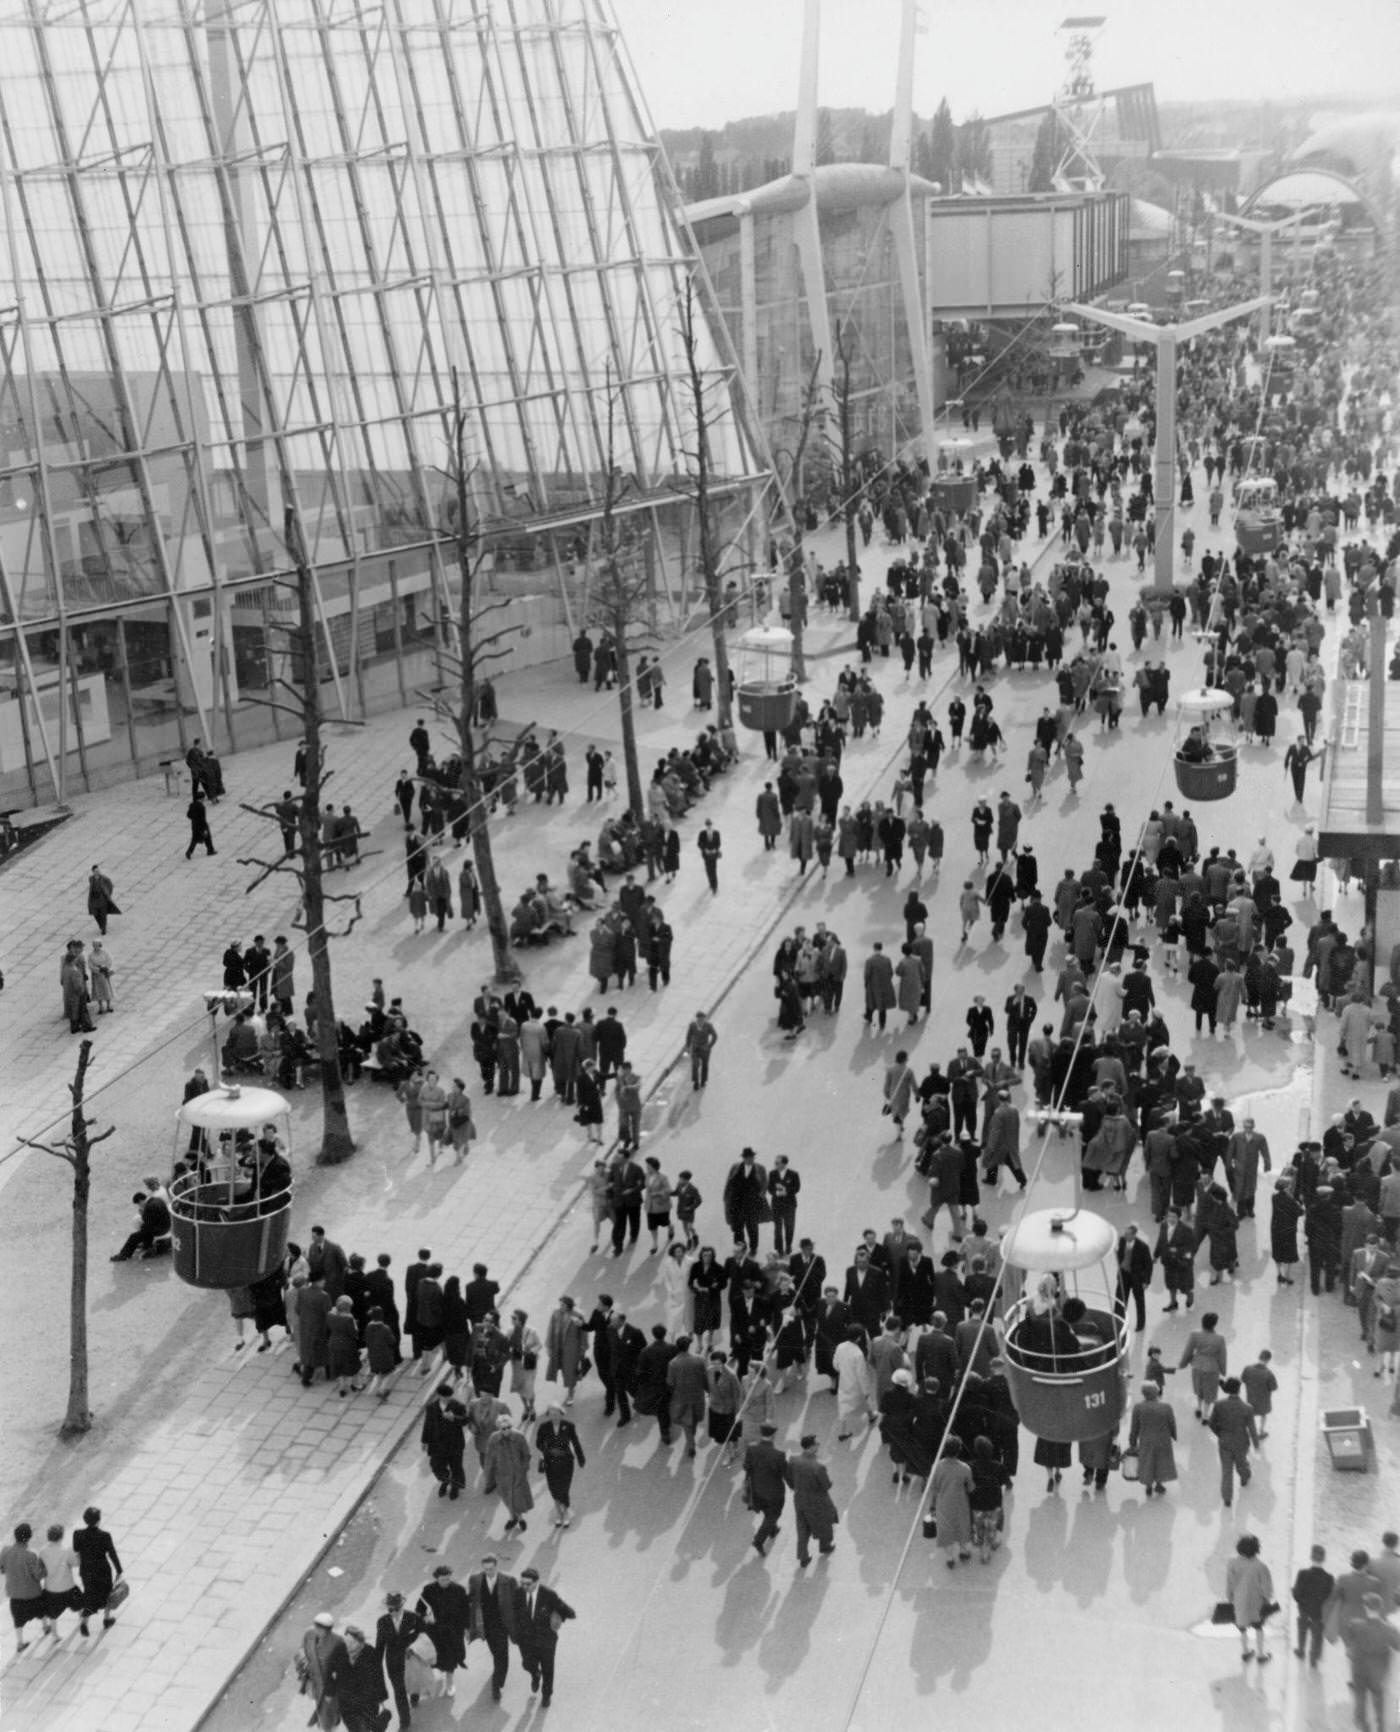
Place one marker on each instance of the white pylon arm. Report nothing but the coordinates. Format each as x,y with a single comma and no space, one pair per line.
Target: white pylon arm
1145,331
1256,225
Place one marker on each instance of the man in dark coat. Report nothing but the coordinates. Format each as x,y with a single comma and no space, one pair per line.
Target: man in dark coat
629,1342
100,900
652,1391
913,1287
600,1326
867,1293
1134,1272
811,1501
745,1197
313,1335
394,1634
198,814
491,1596
539,1612
765,1485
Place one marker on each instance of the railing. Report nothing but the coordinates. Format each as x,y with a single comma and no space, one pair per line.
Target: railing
198,1201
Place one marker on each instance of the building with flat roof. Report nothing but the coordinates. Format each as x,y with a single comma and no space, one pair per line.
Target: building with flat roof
247,246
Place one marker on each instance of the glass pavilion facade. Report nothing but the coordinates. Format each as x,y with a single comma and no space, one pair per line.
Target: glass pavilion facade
248,245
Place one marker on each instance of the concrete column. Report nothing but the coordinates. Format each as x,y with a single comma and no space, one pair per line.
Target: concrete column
1164,466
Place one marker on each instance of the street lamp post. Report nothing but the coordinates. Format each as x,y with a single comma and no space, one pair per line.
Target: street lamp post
1166,339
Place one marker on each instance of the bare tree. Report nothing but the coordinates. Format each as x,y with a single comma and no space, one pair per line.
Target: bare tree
76,1149
811,413
621,601
308,865
710,571
476,650
846,457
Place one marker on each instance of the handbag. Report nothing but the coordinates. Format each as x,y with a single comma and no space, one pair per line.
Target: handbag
556,1623
120,1594
1128,1464
1223,1612
930,1525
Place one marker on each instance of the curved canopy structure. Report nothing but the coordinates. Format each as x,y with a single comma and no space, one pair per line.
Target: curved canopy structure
1312,189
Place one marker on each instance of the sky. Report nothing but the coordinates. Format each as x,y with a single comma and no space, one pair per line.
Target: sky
705,62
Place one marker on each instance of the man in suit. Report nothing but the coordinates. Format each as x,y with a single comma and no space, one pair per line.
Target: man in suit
936,1355
913,1286
492,1597
811,1501
833,1319
394,1635
709,845
867,1292
1134,1272
766,1483
327,1258
600,1327
479,1294
539,1612
807,1272
628,1344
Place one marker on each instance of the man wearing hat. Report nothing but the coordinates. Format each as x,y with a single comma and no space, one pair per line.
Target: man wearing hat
445,1608
394,1635
811,1500
539,1613
765,1484
319,1666
491,1595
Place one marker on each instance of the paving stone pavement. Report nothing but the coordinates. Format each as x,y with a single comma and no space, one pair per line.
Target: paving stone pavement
221,1477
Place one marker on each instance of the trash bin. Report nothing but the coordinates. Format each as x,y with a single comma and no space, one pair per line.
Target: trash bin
1348,1434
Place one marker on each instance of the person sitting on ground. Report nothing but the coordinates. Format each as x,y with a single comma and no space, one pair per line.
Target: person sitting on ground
152,1233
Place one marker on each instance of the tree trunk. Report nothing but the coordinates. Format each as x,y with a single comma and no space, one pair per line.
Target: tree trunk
629,723
797,605
506,968
78,1418
709,563
337,1144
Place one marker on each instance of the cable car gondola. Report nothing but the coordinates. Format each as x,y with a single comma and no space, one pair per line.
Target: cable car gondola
1206,768
1065,1393
1258,520
231,1213
767,691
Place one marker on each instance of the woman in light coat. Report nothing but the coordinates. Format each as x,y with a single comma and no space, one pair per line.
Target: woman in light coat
1206,1353
1151,1434
564,1339
525,1350
507,1462
950,1497
674,1282
409,1090
855,1389
534,1054
103,969
1250,1590
909,972
460,1126
432,1104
